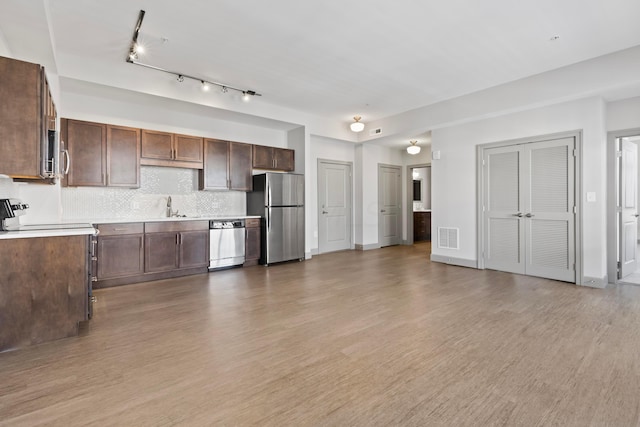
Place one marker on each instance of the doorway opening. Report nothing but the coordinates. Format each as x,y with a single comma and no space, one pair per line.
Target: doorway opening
418,203
623,210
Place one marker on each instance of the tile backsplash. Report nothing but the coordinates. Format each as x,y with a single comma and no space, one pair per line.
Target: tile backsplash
150,200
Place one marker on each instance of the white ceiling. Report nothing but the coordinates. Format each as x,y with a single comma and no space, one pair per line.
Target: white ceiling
331,58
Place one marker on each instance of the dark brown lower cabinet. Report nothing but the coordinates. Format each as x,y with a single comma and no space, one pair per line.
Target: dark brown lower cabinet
140,252
160,252
44,289
421,226
190,252
120,252
176,245
252,242
120,256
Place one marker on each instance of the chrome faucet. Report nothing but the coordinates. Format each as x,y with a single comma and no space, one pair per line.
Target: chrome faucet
169,208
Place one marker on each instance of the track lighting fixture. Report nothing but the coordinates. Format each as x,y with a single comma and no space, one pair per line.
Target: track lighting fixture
357,126
136,48
413,148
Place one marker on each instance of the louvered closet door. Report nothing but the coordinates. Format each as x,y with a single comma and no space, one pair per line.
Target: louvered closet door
503,218
529,220
549,217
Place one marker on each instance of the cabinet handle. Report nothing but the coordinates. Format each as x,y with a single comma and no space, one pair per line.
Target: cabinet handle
68,156
119,229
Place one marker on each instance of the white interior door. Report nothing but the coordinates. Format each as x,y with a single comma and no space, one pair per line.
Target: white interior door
629,212
504,213
389,205
334,206
549,206
529,209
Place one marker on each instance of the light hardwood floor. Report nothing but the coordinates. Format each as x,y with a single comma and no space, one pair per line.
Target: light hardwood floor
382,337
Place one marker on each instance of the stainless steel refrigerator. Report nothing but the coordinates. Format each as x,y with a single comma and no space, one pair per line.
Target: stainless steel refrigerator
278,198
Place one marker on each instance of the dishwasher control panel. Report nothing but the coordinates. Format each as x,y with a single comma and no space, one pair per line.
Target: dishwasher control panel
217,224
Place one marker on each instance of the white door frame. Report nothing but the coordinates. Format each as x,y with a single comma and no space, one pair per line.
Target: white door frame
577,134
409,218
351,201
612,201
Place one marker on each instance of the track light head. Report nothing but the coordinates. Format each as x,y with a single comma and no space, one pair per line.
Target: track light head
180,78
246,96
205,86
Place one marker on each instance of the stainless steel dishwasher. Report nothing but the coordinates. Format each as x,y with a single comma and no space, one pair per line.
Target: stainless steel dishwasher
226,244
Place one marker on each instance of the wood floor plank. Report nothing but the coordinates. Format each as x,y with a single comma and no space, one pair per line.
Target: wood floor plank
372,338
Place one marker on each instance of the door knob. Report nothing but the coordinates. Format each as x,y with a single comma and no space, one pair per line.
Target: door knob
382,210
519,214
325,212
636,215
529,215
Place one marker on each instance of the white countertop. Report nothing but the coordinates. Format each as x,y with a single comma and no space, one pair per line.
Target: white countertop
164,219
422,210
84,227
31,231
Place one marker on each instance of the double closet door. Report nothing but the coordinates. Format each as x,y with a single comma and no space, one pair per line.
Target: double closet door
529,209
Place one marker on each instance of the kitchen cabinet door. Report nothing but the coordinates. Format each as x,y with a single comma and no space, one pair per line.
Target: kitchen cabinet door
86,143
120,256
123,157
157,145
214,175
187,148
262,157
284,159
160,252
252,242
240,161
20,118
272,158
194,249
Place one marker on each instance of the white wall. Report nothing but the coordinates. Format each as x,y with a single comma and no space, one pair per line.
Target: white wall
624,114
454,175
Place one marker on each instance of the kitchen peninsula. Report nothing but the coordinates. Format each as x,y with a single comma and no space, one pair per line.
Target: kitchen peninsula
44,284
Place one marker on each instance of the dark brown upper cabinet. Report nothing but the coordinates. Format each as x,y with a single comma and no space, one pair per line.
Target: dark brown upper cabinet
227,166
26,112
273,158
123,157
168,149
101,154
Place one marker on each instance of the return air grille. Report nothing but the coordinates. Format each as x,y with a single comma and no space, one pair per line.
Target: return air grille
448,238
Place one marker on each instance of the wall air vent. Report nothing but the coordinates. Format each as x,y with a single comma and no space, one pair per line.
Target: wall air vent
374,132
448,238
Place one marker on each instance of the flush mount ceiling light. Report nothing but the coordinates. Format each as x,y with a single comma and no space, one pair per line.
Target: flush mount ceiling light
135,49
413,148
357,126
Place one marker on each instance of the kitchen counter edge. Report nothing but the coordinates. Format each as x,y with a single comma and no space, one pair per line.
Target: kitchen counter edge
26,234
